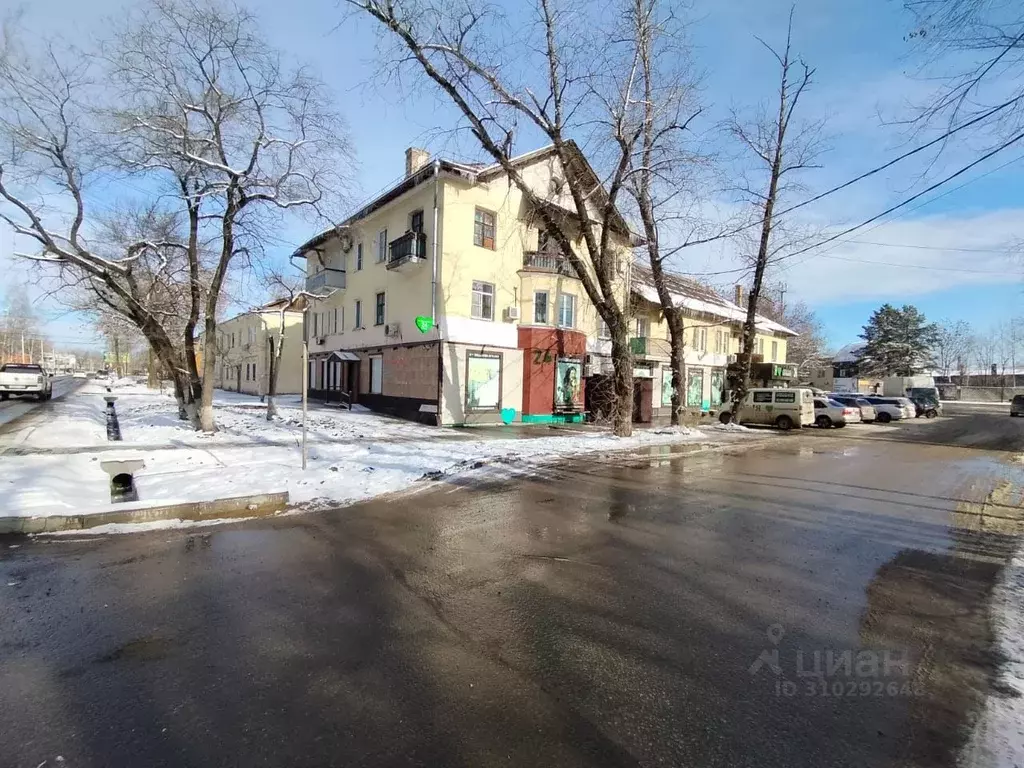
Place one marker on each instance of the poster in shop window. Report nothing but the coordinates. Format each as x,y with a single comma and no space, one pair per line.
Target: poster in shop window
694,387
717,386
666,387
568,375
483,382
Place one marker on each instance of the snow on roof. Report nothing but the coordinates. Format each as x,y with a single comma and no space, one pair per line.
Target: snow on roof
851,353
700,298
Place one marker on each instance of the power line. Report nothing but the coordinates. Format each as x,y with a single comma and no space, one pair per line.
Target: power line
912,198
917,266
1005,251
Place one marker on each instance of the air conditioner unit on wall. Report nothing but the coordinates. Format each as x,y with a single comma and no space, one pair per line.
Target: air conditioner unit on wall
511,313
392,330
320,340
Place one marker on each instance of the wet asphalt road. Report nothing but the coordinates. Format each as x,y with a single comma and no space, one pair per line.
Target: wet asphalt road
597,615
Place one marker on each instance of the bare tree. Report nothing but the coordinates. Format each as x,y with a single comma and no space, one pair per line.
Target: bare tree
649,124
810,345
780,147
489,70
212,124
974,50
205,94
953,348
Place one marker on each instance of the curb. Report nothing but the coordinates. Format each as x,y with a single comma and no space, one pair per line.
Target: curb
262,504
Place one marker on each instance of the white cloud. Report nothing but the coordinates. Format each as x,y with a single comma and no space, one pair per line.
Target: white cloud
928,252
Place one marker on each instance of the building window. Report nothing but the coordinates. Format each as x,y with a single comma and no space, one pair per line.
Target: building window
341,319
483,301
540,307
416,221
376,374
378,317
720,344
483,382
566,310
359,314
643,327
775,351
483,229
759,346
603,331
359,256
315,331
382,245
700,339
311,375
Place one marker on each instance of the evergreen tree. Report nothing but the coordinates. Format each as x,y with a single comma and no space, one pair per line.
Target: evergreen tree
899,342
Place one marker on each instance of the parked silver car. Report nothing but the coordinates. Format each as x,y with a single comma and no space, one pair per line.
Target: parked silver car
889,409
830,413
867,410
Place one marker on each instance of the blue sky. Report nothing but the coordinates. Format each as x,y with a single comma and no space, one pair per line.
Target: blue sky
864,69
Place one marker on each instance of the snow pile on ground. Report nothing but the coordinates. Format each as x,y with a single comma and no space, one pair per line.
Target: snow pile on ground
732,426
998,740
352,455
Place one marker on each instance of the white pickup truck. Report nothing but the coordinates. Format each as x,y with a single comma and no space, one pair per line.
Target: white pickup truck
25,379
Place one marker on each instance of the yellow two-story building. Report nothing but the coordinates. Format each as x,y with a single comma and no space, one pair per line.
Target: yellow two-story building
713,335
444,299
248,343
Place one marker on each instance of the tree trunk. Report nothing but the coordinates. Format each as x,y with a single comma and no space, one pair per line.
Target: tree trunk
272,377
206,422
622,378
677,339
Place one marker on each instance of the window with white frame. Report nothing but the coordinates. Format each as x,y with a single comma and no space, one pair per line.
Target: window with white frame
603,331
483,301
759,346
379,309
540,307
566,310
720,342
643,327
382,245
700,339
775,351
341,319
359,314
359,256
376,374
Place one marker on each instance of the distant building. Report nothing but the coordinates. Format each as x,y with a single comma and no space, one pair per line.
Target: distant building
58,361
244,349
844,375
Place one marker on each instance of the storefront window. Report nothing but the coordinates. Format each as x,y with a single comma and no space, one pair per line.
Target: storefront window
694,387
568,374
717,386
483,382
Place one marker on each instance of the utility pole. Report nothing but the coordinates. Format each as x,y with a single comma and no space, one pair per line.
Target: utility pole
305,384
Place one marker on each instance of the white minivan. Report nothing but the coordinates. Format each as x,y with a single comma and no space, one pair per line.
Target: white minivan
782,408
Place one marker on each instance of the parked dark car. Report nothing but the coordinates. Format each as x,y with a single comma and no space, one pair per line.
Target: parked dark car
1017,405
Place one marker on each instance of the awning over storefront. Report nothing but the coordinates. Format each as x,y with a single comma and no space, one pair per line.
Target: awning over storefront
342,354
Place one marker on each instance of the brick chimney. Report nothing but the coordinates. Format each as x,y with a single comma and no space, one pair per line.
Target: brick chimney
739,295
415,158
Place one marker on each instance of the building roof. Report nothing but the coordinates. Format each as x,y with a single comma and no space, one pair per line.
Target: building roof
690,294
472,172
851,353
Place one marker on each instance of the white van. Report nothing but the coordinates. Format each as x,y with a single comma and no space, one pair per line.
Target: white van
783,408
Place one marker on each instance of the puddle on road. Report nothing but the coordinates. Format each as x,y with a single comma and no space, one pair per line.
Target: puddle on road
934,607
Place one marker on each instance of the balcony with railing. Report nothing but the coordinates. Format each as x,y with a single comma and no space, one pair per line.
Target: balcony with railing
327,279
410,248
646,347
548,261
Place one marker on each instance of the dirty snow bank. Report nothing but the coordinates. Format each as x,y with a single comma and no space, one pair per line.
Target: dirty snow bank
998,739
353,455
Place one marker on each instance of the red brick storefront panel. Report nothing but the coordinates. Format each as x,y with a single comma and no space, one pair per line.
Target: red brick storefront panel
541,348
